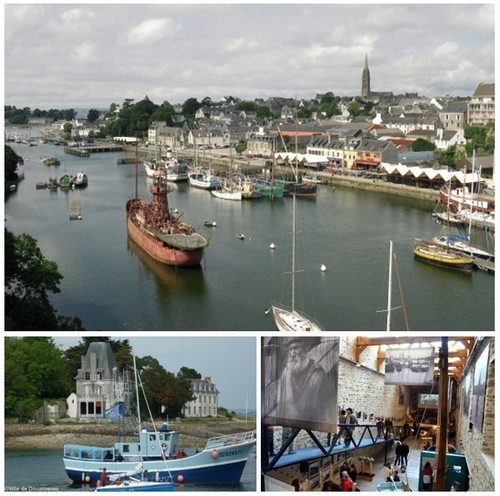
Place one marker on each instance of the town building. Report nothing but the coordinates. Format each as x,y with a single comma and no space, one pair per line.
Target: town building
481,108
206,399
100,385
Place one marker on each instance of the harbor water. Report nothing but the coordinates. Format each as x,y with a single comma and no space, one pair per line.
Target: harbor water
43,470
111,284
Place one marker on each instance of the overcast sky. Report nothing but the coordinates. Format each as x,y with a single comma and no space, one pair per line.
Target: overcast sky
91,55
230,361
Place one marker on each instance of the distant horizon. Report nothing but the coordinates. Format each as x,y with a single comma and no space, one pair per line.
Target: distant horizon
105,109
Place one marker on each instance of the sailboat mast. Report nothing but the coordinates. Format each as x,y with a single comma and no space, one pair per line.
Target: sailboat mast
137,394
136,167
389,290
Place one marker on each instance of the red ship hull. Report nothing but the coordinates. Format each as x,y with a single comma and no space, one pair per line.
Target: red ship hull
157,249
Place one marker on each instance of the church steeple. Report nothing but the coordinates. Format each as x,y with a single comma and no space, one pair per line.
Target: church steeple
365,81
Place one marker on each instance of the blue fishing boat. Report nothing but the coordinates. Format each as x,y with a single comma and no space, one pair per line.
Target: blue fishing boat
221,461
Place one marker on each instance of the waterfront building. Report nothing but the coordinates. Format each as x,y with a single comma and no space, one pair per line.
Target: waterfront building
100,386
206,399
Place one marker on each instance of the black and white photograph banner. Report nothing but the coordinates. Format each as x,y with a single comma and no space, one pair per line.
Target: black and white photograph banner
410,366
300,382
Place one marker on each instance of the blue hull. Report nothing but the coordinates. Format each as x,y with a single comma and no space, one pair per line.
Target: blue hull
215,474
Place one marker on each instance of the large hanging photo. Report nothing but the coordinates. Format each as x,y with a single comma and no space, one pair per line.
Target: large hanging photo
300,382
409,366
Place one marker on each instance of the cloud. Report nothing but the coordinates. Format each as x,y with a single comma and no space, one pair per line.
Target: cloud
150,31
239,44
84,52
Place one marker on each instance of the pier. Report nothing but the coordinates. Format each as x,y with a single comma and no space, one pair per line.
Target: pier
85,151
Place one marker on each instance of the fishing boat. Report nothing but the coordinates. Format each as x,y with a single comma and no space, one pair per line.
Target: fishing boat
221,461
161,233
50,160
154,168
288,318
203,180
175,171
429,252
269,188
80,180
66,181
157,452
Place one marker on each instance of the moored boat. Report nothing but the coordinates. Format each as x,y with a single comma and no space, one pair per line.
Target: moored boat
461,244
50,160
80,180
66,181
204,180
154,227
433,254
462,198
221,461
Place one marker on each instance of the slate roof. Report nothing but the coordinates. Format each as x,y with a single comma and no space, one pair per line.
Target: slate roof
105,360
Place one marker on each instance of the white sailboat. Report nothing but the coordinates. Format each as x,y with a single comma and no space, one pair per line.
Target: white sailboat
289,318
229,190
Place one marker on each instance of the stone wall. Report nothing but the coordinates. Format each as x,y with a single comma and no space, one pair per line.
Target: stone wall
477,442
362,388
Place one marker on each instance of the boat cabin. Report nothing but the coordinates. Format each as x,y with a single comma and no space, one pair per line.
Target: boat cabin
151,445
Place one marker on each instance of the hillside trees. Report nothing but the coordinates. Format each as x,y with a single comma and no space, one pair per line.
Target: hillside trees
35,369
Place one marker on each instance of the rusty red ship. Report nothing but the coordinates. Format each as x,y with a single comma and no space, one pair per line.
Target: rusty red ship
161,233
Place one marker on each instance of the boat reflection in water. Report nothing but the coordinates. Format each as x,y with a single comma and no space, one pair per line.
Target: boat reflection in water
169,277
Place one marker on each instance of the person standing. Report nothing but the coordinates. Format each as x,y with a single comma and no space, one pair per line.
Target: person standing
353,472
351,422
103,479
346,484
380,429
427,476
342,416
405,451
399,453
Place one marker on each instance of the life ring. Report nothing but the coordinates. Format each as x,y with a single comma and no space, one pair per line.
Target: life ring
164,446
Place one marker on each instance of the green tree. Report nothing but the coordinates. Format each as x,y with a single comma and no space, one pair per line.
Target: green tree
67,128
165,112
422,145
448,157
189,108
12,160
35,369
168,392
29,279
188,373
93,115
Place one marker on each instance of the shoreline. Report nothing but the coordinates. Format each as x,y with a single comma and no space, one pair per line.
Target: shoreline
55,436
